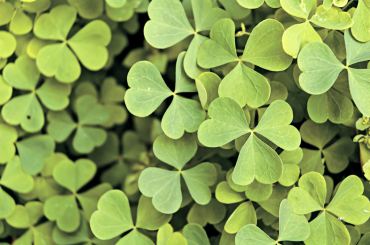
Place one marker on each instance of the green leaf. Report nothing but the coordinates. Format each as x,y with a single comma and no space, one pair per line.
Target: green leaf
274,125
220,49
225,194
89,44
7,204
6,91
168,23
15,178
25,216
251,234
7,44
207,86
166,236
297,8
148,217
175,152
310,194
113,216
34,151
326,229
245,86
332,18
195,235
212,213
63,210
356,51
320,68
358,85
183,115
147,89
57,60
348,203
227,122
198,180
163,186
297,36
244,214
257,161
135,237
8,138
22,74
74,176
250,4
292,227
264,46
361,23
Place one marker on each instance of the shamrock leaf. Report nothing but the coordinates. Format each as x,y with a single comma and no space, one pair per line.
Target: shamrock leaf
212,213
113,218
26,109
8,138
25,216
33,152
88,135
242,83
310,196
256,160
319,57
64,209
334,154
89,44
148,90
292,227
8,44
166,30
298,35
166,236
164,186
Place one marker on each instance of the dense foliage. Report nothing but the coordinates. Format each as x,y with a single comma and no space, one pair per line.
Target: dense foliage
193,122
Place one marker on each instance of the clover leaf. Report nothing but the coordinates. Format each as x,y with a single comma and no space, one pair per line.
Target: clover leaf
88,45
148,90
243,84
317,61
113,218
334,154
162,33
353,207
88,135
64,209
256,160
158,183
292,227
298,35
26,109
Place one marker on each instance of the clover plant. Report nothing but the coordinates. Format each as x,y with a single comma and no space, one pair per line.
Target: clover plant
184,122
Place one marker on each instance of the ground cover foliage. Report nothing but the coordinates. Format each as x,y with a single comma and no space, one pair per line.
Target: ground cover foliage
193,122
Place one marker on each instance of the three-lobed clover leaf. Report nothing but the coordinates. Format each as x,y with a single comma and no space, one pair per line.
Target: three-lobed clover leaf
298,35
320,70
26,109
169,24
61,58
333,153
64,209
15,14
113,218
292,227
256,159
348,204
361,24
164,186
90,114
148,90
242,83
